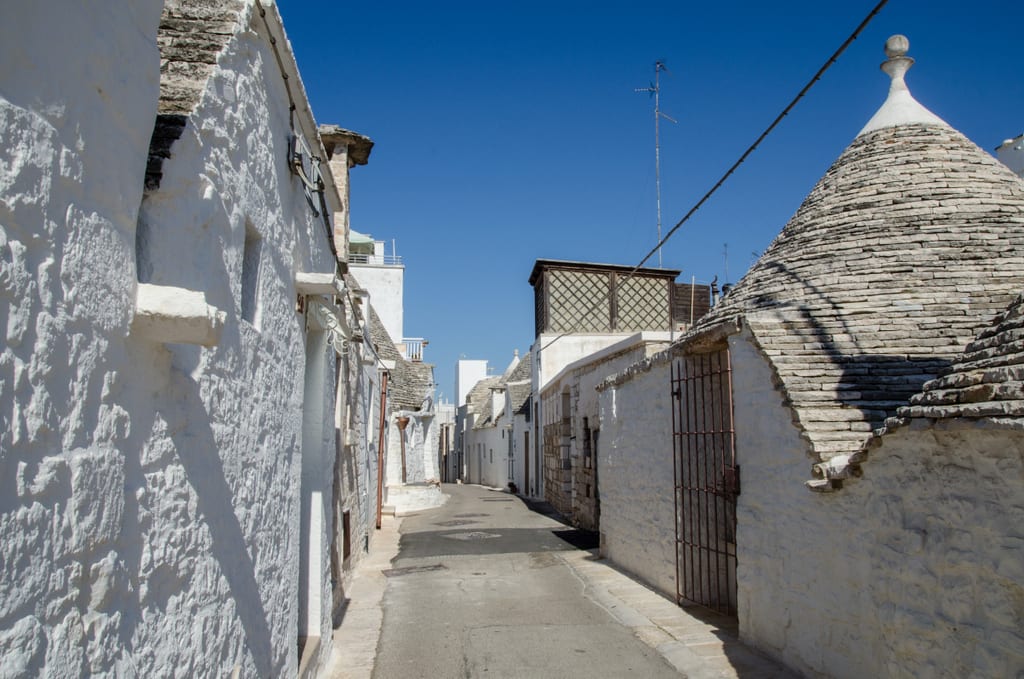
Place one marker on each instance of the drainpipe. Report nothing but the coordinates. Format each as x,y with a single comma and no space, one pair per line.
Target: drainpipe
380,446
403,422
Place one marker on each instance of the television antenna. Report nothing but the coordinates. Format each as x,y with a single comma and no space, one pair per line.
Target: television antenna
654,90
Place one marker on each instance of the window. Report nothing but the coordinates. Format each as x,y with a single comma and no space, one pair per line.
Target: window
251,273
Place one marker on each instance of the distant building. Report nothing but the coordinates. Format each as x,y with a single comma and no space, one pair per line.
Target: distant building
1011,154
447,460
383,277
468,373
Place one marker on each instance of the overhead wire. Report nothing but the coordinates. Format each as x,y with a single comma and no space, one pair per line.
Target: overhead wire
778,119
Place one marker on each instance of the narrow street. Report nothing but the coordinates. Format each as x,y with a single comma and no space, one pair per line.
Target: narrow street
485,586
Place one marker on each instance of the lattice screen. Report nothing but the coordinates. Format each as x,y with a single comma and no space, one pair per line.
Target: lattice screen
642,304
579,302
540,319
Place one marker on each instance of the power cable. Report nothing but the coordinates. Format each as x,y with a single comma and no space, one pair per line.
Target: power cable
778,119
817,76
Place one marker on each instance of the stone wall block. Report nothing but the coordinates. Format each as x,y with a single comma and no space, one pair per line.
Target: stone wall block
22,648
96,505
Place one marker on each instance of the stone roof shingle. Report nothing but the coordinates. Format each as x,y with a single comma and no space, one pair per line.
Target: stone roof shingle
987,380
410,383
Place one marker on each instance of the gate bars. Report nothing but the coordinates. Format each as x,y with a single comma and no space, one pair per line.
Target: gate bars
706,480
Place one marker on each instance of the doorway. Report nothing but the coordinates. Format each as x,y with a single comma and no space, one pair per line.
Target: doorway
706,480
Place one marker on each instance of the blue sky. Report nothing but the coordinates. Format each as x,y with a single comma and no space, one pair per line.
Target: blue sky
511,132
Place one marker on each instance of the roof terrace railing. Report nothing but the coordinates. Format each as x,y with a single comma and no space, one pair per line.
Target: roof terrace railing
412,348
375,260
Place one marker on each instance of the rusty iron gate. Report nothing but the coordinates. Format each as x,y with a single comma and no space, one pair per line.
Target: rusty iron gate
706,480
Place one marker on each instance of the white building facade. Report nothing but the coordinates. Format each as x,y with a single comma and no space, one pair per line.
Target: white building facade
175,324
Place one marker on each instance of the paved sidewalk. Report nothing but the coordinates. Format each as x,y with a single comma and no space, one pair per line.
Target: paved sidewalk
699,646
354,646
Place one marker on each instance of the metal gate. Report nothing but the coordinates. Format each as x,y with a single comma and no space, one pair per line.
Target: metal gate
706,480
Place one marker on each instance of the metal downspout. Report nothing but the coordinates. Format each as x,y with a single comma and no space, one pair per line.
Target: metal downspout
403,422
380,447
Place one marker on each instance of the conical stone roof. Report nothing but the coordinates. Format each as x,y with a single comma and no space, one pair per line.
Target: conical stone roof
911,242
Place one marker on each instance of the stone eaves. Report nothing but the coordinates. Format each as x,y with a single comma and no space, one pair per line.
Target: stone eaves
359,145
987,380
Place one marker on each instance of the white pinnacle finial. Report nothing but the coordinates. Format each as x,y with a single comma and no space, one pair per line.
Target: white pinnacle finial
897,46
900,108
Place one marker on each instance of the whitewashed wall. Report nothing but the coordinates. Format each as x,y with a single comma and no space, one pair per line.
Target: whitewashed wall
356,467
494,470
520,455
636,477
550,356
74,137
150,517
227,174
913,570
488,469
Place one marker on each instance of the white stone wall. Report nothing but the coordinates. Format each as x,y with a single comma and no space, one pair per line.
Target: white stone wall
74,136
913,570
580,380
550,356
490,468
420,449
149,516
494,470
386,285
227,176
365,394
520,456
636,477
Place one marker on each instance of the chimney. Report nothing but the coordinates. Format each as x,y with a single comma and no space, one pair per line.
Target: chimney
345,150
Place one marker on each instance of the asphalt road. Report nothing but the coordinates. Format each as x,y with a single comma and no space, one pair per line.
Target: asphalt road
479,589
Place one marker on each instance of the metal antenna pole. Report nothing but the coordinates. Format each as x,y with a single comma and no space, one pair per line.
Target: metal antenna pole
725,256
655,90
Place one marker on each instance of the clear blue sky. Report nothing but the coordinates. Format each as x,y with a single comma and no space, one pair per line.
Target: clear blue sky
511,132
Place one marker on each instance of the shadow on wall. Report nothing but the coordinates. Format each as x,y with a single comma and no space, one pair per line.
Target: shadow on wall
197,449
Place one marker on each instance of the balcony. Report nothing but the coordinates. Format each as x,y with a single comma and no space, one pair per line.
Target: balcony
412,348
